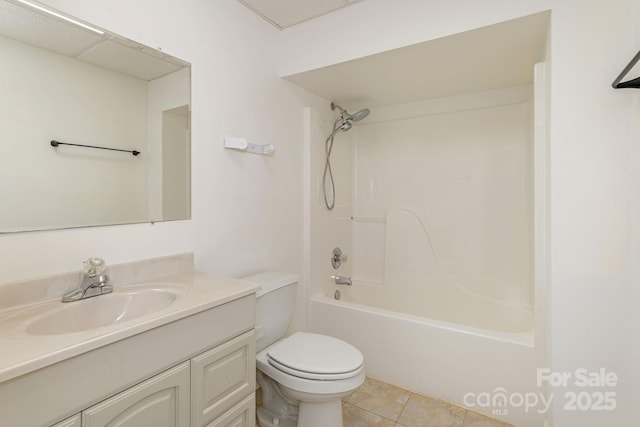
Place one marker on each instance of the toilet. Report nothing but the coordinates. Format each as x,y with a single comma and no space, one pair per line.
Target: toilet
303,377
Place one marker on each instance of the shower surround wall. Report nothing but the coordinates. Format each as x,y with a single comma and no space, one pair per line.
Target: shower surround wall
434,202
442,215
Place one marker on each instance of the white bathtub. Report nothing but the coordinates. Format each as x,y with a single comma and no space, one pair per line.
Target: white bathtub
446,304
448,361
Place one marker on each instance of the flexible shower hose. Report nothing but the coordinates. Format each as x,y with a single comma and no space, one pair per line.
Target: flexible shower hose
328,146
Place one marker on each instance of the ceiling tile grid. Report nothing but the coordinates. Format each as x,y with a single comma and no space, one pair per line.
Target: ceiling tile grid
287,13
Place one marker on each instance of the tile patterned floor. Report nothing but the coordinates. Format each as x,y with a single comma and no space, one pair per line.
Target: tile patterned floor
377,404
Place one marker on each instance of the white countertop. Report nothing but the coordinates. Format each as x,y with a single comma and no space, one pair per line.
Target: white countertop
22,352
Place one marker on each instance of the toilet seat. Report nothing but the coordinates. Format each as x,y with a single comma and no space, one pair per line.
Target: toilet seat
316,357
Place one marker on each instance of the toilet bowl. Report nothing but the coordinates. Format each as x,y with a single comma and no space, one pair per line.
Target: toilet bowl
315,370
305,376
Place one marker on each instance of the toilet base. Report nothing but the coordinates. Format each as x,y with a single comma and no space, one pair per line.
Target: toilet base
269,419
285,407
320,414
309,415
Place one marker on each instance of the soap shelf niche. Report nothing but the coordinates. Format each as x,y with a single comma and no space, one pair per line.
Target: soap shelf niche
242,144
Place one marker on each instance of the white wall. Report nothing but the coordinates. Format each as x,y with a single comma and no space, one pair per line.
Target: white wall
44,98
247,209
594,235
593,280
635,247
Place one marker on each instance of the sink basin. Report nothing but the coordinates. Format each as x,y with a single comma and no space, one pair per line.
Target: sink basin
123,304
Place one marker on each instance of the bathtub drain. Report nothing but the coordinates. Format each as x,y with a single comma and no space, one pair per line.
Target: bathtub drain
336,295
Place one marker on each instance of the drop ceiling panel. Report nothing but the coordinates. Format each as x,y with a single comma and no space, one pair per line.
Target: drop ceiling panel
31,27
37,28
494,57
287,13
130,58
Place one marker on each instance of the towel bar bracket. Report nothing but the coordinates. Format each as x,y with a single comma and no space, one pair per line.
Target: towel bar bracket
629,84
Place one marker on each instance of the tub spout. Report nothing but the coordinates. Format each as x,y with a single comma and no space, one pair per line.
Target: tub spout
341,280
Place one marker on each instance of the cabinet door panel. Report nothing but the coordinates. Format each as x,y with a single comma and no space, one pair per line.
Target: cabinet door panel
222,377
162,401
74,421
241,415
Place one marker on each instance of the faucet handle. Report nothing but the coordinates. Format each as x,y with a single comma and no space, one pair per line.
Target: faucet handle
94,266
337,258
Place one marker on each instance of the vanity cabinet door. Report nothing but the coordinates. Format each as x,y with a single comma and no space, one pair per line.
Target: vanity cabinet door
74,421
221,378
241,415
161,401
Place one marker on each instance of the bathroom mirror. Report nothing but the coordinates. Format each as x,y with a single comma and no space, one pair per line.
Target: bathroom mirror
103,98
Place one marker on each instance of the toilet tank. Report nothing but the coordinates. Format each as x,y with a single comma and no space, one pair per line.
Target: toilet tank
274,305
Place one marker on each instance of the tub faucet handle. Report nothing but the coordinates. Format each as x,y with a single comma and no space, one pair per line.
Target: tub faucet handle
341,280
337,258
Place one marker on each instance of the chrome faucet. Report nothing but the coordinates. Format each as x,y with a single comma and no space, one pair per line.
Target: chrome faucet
94,283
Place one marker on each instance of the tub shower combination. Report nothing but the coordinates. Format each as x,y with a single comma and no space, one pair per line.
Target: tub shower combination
441,255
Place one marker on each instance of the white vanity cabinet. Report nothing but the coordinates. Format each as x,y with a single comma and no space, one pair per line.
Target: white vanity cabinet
161,401
197,371
215,388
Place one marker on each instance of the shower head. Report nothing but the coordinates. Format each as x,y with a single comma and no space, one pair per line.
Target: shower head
342,123
347,118
360,115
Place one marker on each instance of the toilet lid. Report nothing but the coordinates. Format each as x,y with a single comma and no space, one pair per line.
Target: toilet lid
316,356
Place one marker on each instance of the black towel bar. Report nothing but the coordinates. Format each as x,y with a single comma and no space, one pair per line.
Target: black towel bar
56,143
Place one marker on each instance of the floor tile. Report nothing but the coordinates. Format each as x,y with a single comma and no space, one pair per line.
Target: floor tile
473,419
356,417
380,398
421,411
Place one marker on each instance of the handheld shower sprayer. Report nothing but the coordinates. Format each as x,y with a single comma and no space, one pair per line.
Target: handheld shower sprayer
342,123
346,118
